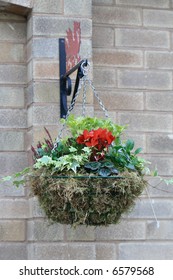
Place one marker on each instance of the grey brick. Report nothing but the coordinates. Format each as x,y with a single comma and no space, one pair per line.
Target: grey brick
143,209
12,53
13,208
100,114
103,36
44,25
123,231
121,100
104,77
12,162
159,188
14,31
35,211
89,110
98,2
80,233
30,75
42,230
150,122
142,38
159,101
76,7
145,79
152,18
48,6
13,118
12,141
43,92
160,143
47,251
164,232
12,97
45,47
29,94
146,251
12,230
13,251
105,251
82,251
29,31
12,74
86,48
145,3
116,15
46,92
48,70
164,164
119,58
46,115
161,60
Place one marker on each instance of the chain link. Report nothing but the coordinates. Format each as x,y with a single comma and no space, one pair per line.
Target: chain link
84,97
68,113
98,98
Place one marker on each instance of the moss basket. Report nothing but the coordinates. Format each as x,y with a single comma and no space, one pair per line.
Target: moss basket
86,200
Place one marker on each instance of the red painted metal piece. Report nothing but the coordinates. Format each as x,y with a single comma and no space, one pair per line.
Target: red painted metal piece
72,45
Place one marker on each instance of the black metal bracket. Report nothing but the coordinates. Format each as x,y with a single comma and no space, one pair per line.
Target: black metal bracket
65,81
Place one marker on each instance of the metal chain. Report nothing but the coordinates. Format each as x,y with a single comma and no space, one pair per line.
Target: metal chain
98,98
84,96
82,82
68,113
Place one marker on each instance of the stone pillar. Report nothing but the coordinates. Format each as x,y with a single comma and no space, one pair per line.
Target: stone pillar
13,127
49,21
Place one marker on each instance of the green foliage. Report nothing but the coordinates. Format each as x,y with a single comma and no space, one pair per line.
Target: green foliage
122,157
102,168
18,178
78,125
70,155
67,162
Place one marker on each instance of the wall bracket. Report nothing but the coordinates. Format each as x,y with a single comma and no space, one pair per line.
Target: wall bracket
65,81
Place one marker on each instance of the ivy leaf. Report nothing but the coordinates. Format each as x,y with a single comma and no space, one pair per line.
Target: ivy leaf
74,166
72,150
87,150
44,160
18,183
7,178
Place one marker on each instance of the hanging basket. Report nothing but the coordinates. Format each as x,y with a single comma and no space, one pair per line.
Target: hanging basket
87,200
91,177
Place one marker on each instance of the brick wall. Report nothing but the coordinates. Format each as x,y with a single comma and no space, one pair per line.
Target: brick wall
13,125
132,58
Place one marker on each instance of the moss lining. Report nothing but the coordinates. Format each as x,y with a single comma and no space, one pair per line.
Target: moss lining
89,201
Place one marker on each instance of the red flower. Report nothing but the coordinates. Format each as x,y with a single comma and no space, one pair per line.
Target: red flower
98,139
85,138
